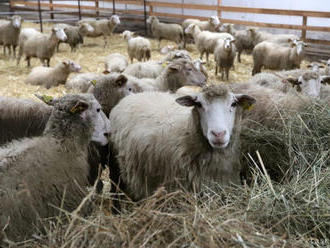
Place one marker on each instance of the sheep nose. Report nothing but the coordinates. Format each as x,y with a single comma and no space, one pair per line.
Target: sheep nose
106,134
219,135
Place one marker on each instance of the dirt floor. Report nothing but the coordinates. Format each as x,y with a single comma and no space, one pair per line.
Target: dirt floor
90,57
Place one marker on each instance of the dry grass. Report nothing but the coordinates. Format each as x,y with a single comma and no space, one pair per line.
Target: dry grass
292,212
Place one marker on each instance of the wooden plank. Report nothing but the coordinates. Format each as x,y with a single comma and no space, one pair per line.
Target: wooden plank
218,8
303,30
321,42
97,8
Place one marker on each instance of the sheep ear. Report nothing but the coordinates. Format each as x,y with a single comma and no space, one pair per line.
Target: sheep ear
106,72
291,80
49,100
65,62
245,101
309,66
325,79
79,107
174,67
187,101
321,66
121,80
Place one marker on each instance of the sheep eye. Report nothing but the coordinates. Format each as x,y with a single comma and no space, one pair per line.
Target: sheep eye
234,104
98,110
190,69
129,89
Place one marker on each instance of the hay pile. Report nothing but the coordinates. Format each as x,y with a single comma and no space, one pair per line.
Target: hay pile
286,203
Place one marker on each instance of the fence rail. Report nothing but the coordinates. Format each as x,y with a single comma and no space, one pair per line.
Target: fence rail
151,5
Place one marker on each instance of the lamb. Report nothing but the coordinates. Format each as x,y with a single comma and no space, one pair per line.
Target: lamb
137,47
159,30
199,65
74,34
9,33
178,73
274,56
205,41
149,69
259,36
51,77
224,56
115,62
210,25
243,38
40,45
189,140
41,174
102,27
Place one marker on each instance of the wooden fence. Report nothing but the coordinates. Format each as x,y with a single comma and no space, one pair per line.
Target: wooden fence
48,5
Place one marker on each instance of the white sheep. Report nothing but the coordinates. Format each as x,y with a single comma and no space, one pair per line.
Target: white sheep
205,41
211,24
42,46
165,140
260,36
172,32
137,47
115,62
224,56
9,33
274,56
103,27
82,82
149,69
51,77
243,38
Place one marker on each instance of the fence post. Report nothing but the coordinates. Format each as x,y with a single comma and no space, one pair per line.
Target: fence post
113,7
40,16
303,30
97,8
79,10
219,8
51,8
145,17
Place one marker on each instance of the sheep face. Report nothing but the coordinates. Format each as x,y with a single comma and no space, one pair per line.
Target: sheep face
225,27
86,28
300,46
184,72
16,21
72,66
315,67
100,122
59,33
216,107
227,45
214,20
152,19
115,20
310,84
127,35
190,29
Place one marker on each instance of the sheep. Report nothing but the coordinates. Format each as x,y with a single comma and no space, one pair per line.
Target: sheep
40,45
41,174
51,77
9,33
177,54
74,34
274,56
115,62
178,73
210,25
21,117
165,140
149,69
159,30
224,56
82,81
308,82
259,36
102,27
137,47
327,67
243,38
199,65
205,41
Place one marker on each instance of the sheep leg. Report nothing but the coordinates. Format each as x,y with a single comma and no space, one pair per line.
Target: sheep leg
159,40
14,51
256,69
105,41
227,73
202,55
239,56
216,69
48,62
222,73
28,61
207,57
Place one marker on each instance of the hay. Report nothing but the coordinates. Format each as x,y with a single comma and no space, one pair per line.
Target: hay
292,210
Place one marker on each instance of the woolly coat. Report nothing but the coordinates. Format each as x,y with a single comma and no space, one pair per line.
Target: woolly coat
160,143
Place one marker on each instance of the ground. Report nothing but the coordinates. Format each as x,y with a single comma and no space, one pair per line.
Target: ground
90,57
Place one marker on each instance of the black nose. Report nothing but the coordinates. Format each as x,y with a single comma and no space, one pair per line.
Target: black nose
106,134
